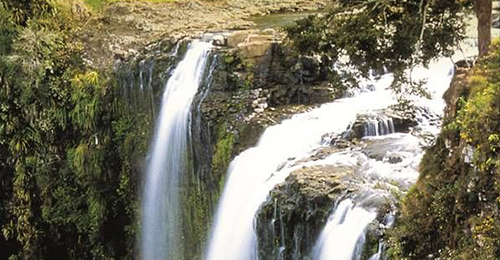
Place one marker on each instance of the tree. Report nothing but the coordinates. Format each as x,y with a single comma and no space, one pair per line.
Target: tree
389,34
65,176
483,10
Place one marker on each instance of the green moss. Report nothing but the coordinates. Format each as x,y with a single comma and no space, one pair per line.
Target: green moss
223,151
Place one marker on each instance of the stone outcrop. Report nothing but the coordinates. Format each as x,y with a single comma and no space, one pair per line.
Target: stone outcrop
289,223
251,44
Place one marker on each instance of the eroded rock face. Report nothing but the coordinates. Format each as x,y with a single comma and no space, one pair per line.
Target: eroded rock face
253,80
289,223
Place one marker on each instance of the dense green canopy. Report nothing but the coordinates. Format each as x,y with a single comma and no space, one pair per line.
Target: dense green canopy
65,176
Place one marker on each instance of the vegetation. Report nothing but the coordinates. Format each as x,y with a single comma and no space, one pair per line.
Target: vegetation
66,181
454,210
69,147
392,35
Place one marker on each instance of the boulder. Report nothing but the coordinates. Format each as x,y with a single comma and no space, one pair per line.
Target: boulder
236,38
254,49
258,38
219,40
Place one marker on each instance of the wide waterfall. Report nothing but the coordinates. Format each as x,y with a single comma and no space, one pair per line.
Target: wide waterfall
283,148
168,158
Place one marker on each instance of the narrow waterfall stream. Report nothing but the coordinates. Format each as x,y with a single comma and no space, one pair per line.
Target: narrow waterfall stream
168,157
285,147
342,237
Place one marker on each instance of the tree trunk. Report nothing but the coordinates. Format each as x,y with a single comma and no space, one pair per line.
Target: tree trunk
483,9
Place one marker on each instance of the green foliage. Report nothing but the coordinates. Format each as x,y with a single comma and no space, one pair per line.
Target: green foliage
7,29
453,212
372,35
478,118
20,11
67,176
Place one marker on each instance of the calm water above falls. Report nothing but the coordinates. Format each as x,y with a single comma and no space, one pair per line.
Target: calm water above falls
257,170
168,158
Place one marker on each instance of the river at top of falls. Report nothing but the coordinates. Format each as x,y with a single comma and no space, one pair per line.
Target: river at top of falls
168,157
254,173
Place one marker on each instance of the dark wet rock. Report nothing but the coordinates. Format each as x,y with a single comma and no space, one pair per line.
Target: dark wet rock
290,221
394,159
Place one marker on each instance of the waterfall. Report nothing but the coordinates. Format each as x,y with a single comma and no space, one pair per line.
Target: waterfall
253,173
378,255
168,158
381,125
282,148
343,236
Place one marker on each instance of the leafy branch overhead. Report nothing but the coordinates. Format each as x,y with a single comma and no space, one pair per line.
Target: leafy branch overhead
383,34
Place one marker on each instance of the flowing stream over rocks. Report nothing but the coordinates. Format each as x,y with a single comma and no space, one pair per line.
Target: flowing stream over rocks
343,236
383,164
169,157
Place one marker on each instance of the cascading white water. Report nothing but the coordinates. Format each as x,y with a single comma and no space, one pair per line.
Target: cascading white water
168,157
380,125
401,154
343,236
257,170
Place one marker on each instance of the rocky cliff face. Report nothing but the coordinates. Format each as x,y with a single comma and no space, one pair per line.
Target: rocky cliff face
248,85
289,223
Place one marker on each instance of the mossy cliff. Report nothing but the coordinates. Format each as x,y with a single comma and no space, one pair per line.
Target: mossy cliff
453,212
238,98
246,89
